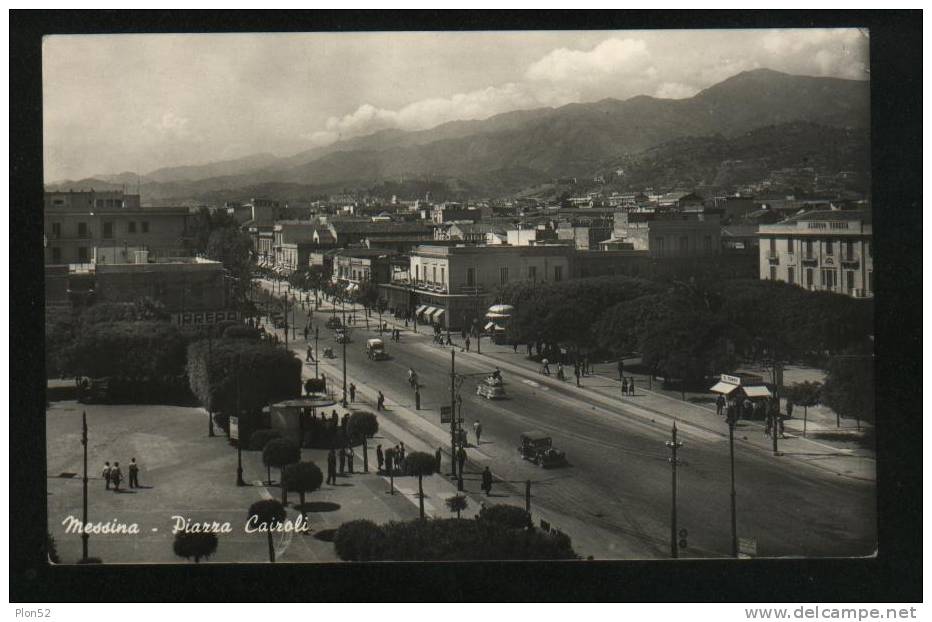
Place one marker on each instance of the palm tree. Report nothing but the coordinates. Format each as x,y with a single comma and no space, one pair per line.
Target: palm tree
420,464
268,512
302,478
280,452
196,545
363,424
457,503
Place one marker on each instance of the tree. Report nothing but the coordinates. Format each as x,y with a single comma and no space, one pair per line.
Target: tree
302,478
196,545
849,386
363,425
420,463
510,516
127,349
457,503
267,513
233,249
280,452
804,394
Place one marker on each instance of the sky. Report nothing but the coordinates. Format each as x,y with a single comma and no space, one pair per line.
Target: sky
115,103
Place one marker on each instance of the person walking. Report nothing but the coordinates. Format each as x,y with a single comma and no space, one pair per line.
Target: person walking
586,369
461,459
380,457
467,342
545,366
352,392
487,481
402,452
719,405
789,409
576,372
309,357
342,460
529,349
380,402
631,386
106,475
332,467
349,459
438,456
477,428
621,369
133,474
116,476
624,386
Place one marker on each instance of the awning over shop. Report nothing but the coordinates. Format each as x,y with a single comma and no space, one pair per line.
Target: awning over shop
489,326
437,313
757,391
420,309
496,316
352,287
429,311
724,388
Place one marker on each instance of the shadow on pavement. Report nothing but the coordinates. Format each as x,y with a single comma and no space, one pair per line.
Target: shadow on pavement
318,506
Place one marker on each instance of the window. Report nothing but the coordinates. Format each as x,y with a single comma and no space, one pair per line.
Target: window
82,254
145,226
773,246
809,277
828,247
870,281
433,274
849,250
828,278
82,229
809,249
558,273
56,254
849,280
532,273
417,273
503,275
132,226
470,277
443,274
100,203
108,230
791,276
870,249
56,230
707,242
773,273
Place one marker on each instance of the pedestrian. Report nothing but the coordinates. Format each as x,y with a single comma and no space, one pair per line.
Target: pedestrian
332,467
133,474
467,344
342,460
334,419
438,456
380,457
380,403
352,392
309,357
719,405
780,421
305,333
546,366
576,371
529,349
621,369
461,458
789,409
487,481
349,459
390,461
624,386
106,475
344,423
477,428
767,429
586,370
631,386
116,476
449,341
402,452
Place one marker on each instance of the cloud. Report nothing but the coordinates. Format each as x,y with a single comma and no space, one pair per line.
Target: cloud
428,113
169,126
611,58
675,90
819,51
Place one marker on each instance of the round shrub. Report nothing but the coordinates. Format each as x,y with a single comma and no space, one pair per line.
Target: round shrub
260,438
359,541
510,516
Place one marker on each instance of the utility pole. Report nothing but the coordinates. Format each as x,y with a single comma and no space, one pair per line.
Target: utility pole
84,534
732,416
453,409
346,335
239,445
673,445
527,496
316,351
210,350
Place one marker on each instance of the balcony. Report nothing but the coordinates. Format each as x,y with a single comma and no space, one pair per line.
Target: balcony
791,259
773,257
850,260
809,259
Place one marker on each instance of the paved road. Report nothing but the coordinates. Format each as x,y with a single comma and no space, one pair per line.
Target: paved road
618,482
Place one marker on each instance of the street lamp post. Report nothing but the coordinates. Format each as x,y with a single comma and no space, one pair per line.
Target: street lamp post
346,335
731,414
316,351
210,349
673,444
84,535
239,444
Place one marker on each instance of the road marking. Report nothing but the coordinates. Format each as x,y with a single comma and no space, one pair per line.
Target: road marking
536,385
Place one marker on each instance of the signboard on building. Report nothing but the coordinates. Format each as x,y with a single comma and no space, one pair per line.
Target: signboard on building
446,414
731,379
198,318
234,428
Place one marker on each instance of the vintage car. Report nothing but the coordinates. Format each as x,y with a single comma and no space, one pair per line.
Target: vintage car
375,350
341,336
278,320
93,390
334,322
537,447
491,388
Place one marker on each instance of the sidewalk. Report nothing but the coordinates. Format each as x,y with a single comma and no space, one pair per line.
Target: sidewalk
837,457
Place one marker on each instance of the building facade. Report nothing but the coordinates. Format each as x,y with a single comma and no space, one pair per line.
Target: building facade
821,251
670,234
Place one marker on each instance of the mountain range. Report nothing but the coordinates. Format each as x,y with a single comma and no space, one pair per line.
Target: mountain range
507,152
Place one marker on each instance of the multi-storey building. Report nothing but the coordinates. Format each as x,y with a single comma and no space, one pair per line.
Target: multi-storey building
667,235
353,266
76,226
87,200
453,285
821,250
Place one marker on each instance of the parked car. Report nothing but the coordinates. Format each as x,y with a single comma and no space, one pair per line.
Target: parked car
93,390
537,447
375,350
341,336
491,388
334,322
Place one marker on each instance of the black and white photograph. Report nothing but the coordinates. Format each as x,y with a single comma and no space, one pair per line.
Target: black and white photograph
573,295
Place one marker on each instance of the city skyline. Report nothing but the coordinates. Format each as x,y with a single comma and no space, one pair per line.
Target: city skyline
152,89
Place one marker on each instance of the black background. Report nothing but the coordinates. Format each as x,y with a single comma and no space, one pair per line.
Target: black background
894,574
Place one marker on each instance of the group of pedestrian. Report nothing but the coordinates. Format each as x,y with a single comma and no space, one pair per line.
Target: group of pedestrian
396,335
114,475
390,459
627,386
